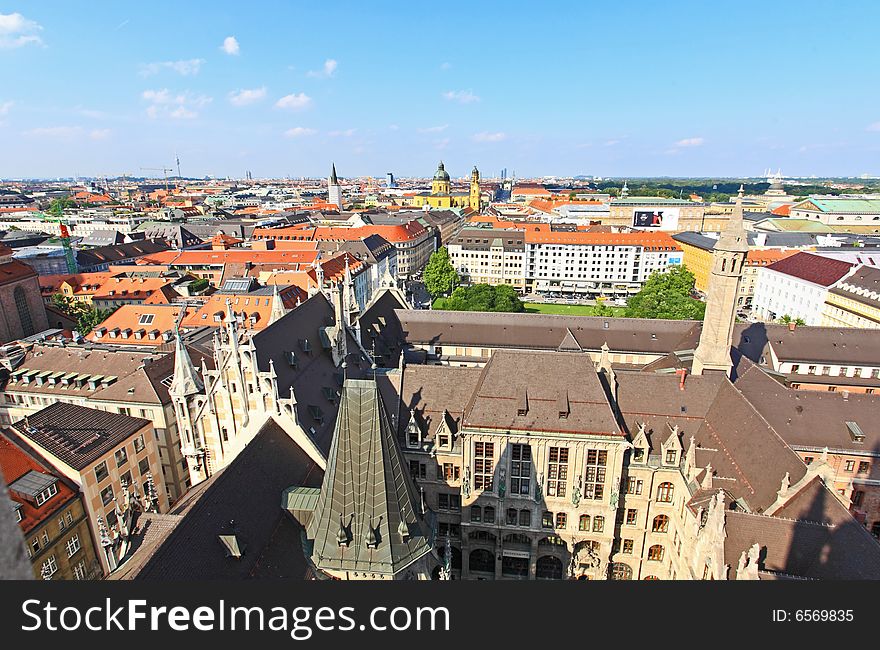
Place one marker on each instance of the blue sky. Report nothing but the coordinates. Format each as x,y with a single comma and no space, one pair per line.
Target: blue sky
284,88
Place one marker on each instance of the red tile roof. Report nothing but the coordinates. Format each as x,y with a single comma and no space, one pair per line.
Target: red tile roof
812,268
15,463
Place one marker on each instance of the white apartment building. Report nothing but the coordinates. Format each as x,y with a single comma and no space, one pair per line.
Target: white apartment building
797,287
482,256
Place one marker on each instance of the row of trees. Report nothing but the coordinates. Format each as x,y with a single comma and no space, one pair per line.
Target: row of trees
666,295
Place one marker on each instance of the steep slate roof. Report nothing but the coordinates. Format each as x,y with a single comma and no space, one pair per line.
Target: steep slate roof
315,370
247,492
819,270
77,435
824,543
381,333
546,384
367,494
807,418
747,455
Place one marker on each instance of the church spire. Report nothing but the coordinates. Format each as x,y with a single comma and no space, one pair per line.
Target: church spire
728,257
186,380
278,308
333,179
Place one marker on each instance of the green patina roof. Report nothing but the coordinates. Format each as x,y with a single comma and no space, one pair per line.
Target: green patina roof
848,205
651,200
786,224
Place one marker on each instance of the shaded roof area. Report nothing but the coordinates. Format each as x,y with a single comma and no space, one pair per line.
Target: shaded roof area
541,391
747,456
366,518
117,252
77,435
381,333
832,345
243,499
813,537
809,418
310,370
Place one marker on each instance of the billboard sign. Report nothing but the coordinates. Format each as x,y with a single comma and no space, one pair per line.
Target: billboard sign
656,219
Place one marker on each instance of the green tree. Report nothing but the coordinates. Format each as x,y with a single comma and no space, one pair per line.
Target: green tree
482,297
57,206
86,317
440,276
667,295
602,309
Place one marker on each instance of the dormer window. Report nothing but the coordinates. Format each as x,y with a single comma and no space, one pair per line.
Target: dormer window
639,455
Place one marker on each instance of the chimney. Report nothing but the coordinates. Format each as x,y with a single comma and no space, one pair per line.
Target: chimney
792,326
844,394
683,373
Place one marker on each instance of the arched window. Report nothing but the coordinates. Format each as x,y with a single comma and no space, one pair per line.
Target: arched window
481,560
476,513
655,553
24,312
598,524
665,492
584,522
548,568
621,571
517,538
525,518
651,578
661,524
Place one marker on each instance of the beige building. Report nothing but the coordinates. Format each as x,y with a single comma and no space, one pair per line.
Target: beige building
676,215
489,257
117,381
114,455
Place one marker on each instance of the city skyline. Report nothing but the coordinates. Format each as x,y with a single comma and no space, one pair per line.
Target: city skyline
235,92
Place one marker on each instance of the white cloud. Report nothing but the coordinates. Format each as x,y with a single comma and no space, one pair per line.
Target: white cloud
5,107
445,66
177,107
230,46
393,127
690,142
247,96
460,96
294,101
434,129
299,131
484,136
54,132
346,133
184,67
327,70
99,134
18,31
873,127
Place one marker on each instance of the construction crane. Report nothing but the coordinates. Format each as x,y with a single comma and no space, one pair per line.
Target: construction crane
164,170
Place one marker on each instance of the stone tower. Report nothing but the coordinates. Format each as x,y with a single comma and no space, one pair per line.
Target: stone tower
334,192
186,386
713,351
474,199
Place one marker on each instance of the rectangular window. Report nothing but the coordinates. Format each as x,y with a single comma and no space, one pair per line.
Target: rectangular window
627,546
850,465
594,484
144,467
101,471
139,444
50,566
121,457
72,546
561,520
631,516
598,524
476,513
633,485
450,471
547,520
484,465
79,571
557,472
416,469
863,467
520,468
450,502
107,495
